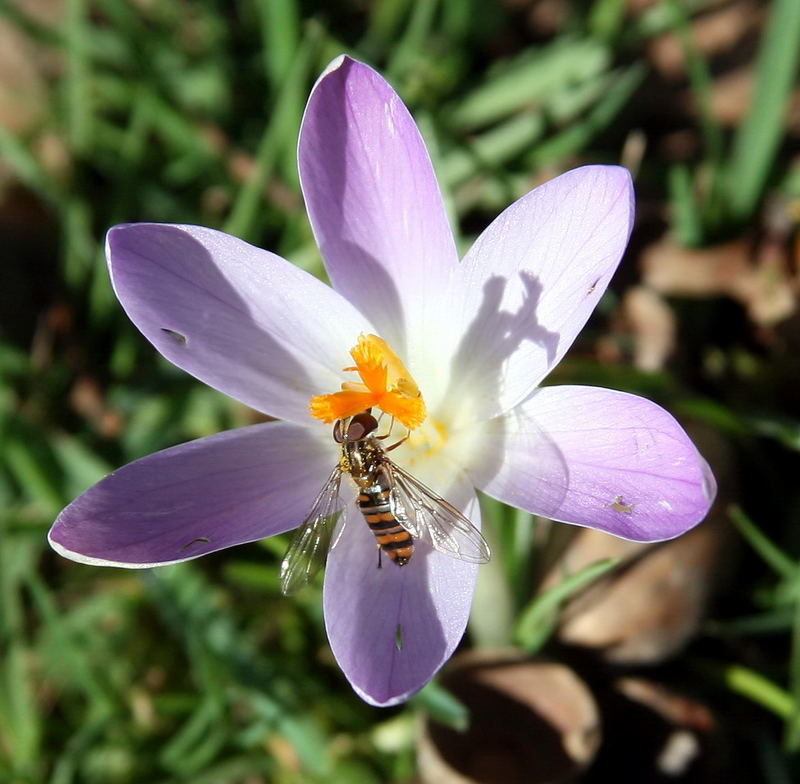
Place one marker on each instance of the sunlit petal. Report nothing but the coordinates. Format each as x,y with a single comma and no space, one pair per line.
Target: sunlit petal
533,278
598,458
376,208
242,319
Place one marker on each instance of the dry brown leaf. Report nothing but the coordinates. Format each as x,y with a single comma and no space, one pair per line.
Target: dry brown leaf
716,32
673,270
652,604
675,708
23,94
762,280
47,12
656,734
652,324
530,721
547,17
731,94
88,399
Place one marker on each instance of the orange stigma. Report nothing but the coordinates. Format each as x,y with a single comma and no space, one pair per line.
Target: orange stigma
386,384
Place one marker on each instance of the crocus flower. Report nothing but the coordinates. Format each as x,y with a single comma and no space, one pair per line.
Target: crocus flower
471,341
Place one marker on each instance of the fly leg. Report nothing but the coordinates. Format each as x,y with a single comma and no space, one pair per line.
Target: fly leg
388,433
398,443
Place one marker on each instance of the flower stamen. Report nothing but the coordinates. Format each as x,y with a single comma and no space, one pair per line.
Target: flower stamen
385,384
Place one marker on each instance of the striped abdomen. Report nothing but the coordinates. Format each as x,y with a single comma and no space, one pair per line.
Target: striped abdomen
376,506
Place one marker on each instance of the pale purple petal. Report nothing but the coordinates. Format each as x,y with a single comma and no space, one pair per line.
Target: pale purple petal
193,499
392,628
597,458
532,279
375,205
241,319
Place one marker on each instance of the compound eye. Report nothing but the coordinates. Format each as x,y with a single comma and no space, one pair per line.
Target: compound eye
337,432
361,425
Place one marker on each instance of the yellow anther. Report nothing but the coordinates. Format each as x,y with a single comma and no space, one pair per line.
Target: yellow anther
386,384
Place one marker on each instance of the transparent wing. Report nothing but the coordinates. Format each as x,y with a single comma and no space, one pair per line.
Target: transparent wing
426,515
309,546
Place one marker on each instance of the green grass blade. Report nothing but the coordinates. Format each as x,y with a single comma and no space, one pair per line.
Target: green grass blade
283,125
751,684
784,429
574,138
686,215
385,20
198,741
80,672
491,149
16,155
758,138
792,740
700,81
442,706
412,41
607,18
21,727
539,613
529,80
774,557
79,110
491,620
280,33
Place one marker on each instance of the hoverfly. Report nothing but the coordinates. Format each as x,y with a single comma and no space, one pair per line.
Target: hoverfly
396,507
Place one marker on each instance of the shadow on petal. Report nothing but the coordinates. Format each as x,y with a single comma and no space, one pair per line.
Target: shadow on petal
477,387
491,338
385,308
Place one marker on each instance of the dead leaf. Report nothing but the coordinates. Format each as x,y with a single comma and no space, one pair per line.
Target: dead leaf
530,721
715,32
761,278
652,324
652,604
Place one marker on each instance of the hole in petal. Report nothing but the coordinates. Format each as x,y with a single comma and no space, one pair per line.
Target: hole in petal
398,637
201,539
179,338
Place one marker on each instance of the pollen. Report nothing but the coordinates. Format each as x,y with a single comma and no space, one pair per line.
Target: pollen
385,384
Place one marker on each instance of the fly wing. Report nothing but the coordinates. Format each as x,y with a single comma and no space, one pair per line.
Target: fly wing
309,546
426,515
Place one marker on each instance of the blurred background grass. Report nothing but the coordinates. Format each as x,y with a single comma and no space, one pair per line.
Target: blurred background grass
188,111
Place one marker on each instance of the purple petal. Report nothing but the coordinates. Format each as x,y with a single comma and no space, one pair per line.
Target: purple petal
601,459
193,499
534,276
239,318
392,628
375,205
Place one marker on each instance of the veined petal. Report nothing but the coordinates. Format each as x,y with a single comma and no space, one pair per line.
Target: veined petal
600,459
392,628
193,499
243,320
532,279
375,206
